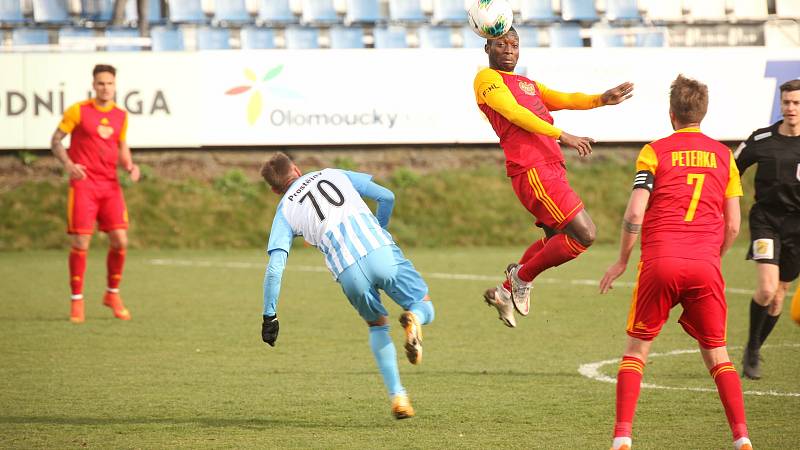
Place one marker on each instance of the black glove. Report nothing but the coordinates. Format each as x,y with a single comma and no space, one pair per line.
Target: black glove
269,330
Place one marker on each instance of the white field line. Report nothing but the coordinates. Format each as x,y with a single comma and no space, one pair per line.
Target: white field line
434,275
592,371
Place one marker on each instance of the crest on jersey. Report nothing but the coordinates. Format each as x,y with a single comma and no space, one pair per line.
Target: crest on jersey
527,88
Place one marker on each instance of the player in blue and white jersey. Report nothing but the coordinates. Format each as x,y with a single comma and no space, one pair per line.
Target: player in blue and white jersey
327,210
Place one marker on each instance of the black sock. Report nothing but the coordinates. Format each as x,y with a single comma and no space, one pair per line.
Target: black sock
766,328
758,314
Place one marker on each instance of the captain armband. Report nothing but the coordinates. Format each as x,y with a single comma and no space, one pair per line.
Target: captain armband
644,180
633,228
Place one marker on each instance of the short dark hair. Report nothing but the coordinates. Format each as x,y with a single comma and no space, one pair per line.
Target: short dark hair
100,68
791,85
510,30
688,100
276,171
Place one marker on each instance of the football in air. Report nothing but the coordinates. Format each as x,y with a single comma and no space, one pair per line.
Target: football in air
490,19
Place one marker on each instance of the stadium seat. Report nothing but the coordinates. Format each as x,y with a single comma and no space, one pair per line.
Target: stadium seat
406,11
470,39
390,37
275,12
654,38
166,39
565,35
707,11
622,10
448,12
231,12
787,9
50,11
301,37
97,10
213,38
11,12
603,35
578,11
347,37
319,12
154,13
363,12
749,10
76,40
186,11
662,11
27,37
434,37
528,36
537,11
121,33
257,38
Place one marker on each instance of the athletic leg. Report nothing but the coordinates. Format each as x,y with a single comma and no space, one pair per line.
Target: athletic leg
729,388
629,381
113,219
759,306
796,306
77,269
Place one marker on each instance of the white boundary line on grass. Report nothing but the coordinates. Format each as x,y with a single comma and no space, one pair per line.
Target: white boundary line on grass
592,371
434,275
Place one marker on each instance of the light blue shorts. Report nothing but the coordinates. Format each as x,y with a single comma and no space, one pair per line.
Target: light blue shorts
384,268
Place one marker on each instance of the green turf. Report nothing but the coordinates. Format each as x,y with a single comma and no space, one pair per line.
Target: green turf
190,370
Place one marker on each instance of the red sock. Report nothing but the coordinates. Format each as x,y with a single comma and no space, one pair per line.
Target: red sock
530,252
629,382
114,263
77,267
730,392
557,250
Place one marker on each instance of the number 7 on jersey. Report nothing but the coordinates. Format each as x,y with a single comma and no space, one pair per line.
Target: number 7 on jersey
697,180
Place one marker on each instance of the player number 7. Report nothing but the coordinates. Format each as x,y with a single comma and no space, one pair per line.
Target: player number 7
696,179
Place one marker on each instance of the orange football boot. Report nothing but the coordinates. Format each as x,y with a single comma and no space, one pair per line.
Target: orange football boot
76,312
114,301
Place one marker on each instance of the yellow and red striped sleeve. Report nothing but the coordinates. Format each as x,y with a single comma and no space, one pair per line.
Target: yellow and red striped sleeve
123,133
492,91
734,187
71,119
555,100
647,160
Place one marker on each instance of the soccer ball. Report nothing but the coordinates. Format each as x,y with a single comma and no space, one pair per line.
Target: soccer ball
490,19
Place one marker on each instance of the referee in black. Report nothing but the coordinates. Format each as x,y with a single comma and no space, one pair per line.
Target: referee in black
774,219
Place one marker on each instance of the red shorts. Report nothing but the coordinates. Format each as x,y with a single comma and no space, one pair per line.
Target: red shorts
696,284
545,192
89,203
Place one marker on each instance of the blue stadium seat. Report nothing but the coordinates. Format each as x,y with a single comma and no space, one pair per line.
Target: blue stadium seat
528,36
97,10
319,12
11,11
622,10
537,11
347,37
29,37
654,38
122,33
390,37
76,40
406,11
578,10
363,11
603,35
470,39
257,38
186,11
212,38
302,37
274,12
50,11
154,13
449,11
166,39
565,35
231,12
434,37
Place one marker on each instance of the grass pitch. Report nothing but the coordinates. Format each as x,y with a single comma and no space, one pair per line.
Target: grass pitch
190,370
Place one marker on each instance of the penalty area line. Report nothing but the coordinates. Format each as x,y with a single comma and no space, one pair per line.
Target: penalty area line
592,371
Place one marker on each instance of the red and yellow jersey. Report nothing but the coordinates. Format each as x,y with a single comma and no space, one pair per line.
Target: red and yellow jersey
519,111
690,175
96,134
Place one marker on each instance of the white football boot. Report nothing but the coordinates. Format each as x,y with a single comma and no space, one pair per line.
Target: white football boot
520,290
500,298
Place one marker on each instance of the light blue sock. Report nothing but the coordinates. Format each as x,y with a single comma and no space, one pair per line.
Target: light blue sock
386,356
424,312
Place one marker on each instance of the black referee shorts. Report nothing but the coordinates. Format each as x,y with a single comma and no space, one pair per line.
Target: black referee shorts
775,239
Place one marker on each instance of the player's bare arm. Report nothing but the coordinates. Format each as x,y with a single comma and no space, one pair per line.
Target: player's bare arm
75,171
582,144
631,226
126,161
733,219
617,95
